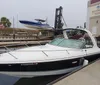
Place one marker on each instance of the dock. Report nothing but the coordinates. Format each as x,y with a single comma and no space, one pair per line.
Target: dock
89,75
14,43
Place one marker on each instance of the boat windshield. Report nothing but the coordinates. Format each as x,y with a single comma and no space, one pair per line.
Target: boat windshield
69,43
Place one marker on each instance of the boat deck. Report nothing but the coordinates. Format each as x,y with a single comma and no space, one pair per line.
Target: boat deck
89,75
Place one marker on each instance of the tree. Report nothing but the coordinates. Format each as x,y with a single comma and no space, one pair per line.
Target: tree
5,22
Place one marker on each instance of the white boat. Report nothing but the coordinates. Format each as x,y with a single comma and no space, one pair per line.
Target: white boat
60,56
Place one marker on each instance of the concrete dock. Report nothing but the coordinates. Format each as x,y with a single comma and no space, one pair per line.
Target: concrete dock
89,75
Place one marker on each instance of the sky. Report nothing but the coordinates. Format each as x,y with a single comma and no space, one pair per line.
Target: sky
74,11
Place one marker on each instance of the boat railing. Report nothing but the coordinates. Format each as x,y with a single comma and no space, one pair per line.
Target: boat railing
26,44
8,51
45,53
60,50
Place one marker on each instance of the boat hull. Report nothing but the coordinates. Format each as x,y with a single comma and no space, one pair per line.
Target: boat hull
41,73
35,25
40,69
44,69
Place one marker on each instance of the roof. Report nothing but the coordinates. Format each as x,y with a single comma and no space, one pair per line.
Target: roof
94,1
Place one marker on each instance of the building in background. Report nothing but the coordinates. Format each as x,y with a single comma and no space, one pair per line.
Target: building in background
1,26
94,17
